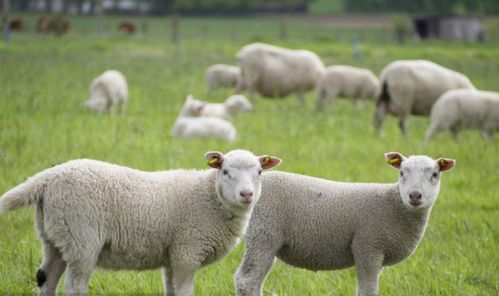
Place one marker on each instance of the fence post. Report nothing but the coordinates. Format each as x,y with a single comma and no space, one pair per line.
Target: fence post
174,30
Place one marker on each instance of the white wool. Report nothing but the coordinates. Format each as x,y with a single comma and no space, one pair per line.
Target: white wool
220,75
465,109
107,92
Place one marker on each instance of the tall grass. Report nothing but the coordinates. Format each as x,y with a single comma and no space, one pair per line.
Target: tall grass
44,81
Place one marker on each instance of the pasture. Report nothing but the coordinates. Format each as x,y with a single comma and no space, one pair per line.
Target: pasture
44,81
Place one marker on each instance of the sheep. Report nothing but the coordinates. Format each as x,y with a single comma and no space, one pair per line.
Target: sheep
346,81
465,108
107,91
276,72
412,87
230,108
220,75
91,213
189,123
318,224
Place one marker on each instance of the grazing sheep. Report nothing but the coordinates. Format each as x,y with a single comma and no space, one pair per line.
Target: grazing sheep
91,213
346,81
127,27
276,72
465,108
221,75
234,105
318,224
190,125
107,91
412,87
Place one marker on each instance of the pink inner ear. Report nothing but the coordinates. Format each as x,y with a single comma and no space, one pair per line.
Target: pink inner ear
269,162
445,164
394,159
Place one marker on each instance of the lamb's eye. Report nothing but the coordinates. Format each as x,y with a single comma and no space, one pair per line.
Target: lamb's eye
401,174
259,172
434,175
225,172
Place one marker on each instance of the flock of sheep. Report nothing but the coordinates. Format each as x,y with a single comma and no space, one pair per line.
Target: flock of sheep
405,87
91,213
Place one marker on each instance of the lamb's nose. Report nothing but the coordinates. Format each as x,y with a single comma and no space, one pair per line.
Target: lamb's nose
415,196
247,196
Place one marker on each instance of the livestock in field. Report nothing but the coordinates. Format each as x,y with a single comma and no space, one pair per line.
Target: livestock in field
412,87
319,224
277,72
465,109
91,213
346,82
107,92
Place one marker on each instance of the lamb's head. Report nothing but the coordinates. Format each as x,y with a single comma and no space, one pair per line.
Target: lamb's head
238,103
419,181
238,181
192,107
96,104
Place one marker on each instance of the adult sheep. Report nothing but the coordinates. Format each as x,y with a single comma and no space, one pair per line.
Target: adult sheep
220,75
276,72
318,224
108,91
346,81
412,87
91,213
465,108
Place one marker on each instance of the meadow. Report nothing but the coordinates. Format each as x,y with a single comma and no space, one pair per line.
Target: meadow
44,81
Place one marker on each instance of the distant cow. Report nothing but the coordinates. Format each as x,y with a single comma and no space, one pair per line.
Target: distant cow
16,24
44,25
127,27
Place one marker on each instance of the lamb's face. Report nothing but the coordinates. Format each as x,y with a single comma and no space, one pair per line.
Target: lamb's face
96,104
419,181
239,182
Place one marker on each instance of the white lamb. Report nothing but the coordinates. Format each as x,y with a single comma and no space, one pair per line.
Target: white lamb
190,124
91,213
346,81
234,105
465,108
276,72
412,87
318,224
107,91
221,75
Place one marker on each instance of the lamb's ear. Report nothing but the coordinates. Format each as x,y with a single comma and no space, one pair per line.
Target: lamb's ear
445,164
189,98
215,159
394,159
199,109
269,162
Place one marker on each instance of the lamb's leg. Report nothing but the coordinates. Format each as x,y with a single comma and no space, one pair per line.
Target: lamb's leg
168,281
79,269
379,116
404,124
369,266
251,273
51,269
183,278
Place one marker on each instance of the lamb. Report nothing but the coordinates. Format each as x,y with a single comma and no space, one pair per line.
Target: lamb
107,91
412,87
190,124
91,213
318,224
276,72
346,81
465,108
234,105
220,75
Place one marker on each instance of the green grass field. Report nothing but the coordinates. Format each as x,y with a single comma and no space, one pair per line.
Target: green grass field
44,81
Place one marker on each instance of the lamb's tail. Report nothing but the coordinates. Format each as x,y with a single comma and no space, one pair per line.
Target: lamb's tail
24,194
384,96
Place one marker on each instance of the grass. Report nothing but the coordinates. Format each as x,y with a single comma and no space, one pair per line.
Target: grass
44,81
